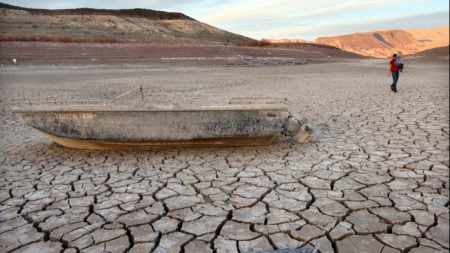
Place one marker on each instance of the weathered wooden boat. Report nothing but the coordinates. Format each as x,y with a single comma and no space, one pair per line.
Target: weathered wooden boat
137,124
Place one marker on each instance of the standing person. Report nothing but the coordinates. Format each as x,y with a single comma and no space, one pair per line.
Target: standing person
394,69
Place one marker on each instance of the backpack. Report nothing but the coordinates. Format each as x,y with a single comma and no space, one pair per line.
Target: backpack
399,63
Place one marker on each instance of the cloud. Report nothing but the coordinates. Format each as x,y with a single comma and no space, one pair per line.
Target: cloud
285,9
311,32
297,19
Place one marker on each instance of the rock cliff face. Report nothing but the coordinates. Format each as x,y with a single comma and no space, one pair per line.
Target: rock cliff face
382,44
114,25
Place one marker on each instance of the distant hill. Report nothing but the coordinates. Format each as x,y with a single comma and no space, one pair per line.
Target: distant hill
86,24
382,44
432,37
440,54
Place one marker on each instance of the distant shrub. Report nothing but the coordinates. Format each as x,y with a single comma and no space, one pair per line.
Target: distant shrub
257,43
64,39
68,39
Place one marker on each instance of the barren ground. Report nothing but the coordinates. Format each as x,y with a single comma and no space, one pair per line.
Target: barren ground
43,53
374,178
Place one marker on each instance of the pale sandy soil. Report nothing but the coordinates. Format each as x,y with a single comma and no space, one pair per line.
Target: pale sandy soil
375,176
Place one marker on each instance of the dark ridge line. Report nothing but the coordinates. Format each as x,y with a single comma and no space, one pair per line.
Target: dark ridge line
137,12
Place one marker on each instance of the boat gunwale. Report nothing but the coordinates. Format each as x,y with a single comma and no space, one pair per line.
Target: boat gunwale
103,106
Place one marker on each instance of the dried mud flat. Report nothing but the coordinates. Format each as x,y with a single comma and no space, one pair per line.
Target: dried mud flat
374,178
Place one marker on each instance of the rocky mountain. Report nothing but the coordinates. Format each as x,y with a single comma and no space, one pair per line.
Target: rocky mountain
99,25
382,44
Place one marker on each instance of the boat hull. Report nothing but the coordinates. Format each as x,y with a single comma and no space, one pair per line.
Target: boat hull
145,145
115,126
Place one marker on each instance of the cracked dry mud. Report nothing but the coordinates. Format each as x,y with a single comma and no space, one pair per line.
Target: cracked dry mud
374,178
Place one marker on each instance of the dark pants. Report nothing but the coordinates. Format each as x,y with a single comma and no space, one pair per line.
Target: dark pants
395,76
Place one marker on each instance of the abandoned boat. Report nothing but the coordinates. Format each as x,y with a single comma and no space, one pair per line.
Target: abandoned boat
136,124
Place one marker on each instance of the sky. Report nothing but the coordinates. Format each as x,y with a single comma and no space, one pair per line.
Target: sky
290,19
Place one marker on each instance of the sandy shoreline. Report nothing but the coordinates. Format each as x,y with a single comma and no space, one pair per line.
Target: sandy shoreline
374,177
